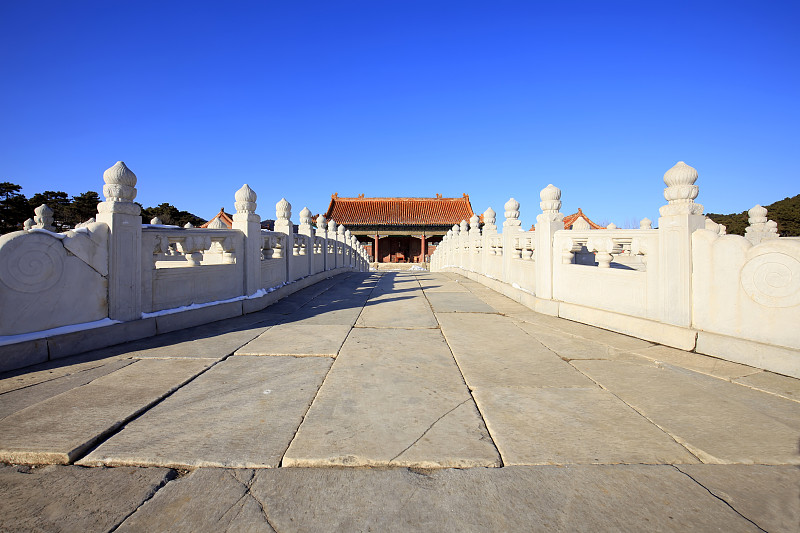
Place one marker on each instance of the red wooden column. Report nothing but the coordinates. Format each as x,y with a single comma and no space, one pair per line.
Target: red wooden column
422,249
375,254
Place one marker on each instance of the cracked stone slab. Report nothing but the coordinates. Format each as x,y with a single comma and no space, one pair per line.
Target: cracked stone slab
773,383
492,351
18,399
399,312
69,498
572,426
443,286
694,361
206,500
611,338
299,340
718,421
242,413
393,397
767,495
546,498
457,302
209,346
570,347
61,428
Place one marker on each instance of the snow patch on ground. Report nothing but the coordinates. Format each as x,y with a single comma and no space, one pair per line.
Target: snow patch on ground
22,337
258,294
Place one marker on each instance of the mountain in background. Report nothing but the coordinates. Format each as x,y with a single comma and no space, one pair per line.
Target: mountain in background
785,212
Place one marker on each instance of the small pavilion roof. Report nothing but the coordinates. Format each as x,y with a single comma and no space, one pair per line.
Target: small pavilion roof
362,211
223,216
569,220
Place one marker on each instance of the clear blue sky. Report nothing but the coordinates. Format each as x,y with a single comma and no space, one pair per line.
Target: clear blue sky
404,98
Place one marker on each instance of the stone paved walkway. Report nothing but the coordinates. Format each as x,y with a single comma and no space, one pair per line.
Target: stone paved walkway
398,402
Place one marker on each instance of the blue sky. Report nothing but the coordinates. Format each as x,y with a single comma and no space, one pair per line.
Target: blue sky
404,98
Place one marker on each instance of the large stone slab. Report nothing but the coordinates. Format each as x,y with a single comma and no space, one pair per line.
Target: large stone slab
393,397
572,426
241,414
457,302
69,498
718,421
298,339
208,345
207,500
16,400
773,383
697,362
492,351
767,495
448,285
398,312
546,498
569,347
61,428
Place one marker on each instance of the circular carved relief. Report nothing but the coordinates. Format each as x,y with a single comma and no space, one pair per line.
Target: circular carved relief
772,280
32,266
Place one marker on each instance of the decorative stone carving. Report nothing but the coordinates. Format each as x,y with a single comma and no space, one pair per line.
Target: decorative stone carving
188,225
283,210
681,191
719,229
245,204
43,218
772,279
605,248
31,263
489,221
119,191
580,224
305,216
611,226
639,247
340,230
550,203
28,224
474,225
217,223
646,223
193,246
156,221
760,228
331,228
321,224
569,248
456,229
464,227
512,215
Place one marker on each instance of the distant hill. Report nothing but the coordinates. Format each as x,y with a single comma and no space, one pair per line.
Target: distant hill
785,212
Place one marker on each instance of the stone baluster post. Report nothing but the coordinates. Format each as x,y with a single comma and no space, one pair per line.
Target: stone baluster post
341,253
283,224
489,229
305,228
249,223
759,228
348,248
322,231
512,227
547,223
331,234
124,221
474,243
679,219
43,218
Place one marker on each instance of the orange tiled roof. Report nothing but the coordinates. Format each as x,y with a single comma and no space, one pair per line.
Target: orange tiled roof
436,211
222,215
570,219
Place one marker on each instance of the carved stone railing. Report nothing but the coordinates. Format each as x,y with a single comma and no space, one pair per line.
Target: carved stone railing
686,284
117,269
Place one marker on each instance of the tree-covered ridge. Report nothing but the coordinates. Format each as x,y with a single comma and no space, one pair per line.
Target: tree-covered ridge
68,211
785,212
